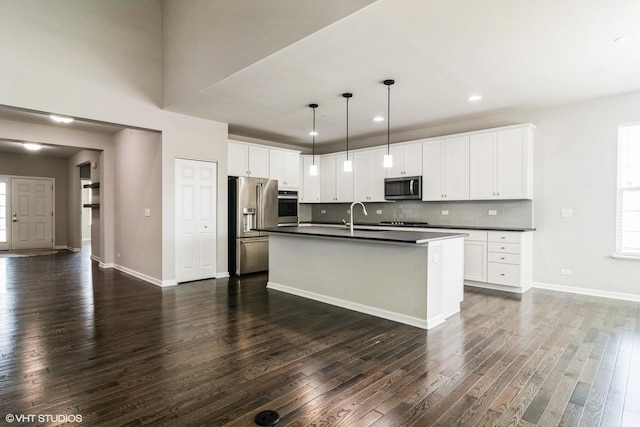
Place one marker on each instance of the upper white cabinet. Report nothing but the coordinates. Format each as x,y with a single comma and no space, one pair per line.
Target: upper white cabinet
284,165
407,160
248,160
335,184
445,169
368,175
310,183
501,164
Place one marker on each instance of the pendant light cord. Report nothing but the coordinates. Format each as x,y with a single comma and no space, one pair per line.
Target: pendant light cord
347,128
388,83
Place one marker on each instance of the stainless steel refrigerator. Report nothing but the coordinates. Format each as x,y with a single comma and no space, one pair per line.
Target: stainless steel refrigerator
253,204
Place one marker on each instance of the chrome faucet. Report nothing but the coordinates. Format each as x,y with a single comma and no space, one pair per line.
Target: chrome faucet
351,212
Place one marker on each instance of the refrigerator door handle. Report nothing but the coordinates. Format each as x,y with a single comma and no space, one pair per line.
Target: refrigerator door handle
259,205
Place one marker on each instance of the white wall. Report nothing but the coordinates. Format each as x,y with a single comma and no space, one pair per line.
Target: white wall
101,60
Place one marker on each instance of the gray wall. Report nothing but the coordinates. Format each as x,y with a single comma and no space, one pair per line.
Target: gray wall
138,185
36,165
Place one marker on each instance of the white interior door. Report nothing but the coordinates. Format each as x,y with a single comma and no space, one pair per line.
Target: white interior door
5,230
196,205
31,213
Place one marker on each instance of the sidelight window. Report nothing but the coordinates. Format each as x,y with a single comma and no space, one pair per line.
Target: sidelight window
628,196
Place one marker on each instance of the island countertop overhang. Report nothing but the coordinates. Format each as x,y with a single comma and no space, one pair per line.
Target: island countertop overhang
381,236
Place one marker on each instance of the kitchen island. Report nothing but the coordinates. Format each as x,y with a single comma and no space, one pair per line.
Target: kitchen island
414,278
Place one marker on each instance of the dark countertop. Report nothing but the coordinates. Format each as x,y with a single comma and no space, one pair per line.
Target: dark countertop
411,237
450,227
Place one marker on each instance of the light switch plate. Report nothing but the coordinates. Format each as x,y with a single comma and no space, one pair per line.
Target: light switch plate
565,272
379,212
493,212
323,212
567,213
147,212
445,212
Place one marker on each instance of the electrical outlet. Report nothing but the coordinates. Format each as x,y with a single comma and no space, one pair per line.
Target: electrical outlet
445,212
323,212
147,212
567,213
379,212
348,211
565,271
493,212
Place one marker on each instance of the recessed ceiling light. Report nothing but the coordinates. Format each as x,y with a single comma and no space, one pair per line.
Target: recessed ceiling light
61,119
474,98
620,39
31,146
313,133
378,119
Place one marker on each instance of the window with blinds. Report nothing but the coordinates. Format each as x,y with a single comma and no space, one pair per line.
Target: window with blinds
628,203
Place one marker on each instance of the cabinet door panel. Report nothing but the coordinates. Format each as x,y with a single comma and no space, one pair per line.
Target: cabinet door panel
238,156
328,178
292,170
432,170
475,261
310,183
258,162
362,175
412,158
456,169
510,164
481,166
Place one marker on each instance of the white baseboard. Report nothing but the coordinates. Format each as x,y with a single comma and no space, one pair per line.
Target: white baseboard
105,264
396,317
222,275
586,291
496,287
144,277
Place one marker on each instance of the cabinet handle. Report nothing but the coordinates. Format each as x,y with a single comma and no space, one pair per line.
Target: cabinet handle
503,247
502,274
502,258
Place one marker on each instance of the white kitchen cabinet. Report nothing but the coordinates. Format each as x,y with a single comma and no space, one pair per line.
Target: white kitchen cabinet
247,160
475,255
445,166
310,189
407,160
284,165
509,259
336,185
368,175
501,164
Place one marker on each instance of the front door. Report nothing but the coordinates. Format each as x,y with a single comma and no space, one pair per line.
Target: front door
195,219
31,213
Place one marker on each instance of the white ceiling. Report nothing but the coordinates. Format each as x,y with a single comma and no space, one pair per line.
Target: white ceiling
517,54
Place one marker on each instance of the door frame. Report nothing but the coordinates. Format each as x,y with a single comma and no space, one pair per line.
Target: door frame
9,179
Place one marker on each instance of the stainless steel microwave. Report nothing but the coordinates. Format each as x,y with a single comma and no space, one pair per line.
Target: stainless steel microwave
403,188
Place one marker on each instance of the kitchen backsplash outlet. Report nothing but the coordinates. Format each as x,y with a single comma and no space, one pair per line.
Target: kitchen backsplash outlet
509,213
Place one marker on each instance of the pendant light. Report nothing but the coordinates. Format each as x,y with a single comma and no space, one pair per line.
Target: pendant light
387,162
313,169
348,165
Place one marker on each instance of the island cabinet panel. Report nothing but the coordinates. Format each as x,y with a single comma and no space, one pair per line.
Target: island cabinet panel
369,175
407,160
310,183
247,160
360,271
445,169
501,164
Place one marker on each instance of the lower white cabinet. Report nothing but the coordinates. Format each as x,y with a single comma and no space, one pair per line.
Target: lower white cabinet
500,260
475,255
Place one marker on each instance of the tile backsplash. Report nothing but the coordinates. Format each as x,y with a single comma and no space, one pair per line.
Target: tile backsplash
508,213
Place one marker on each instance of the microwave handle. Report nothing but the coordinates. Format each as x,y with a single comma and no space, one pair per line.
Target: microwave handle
411,187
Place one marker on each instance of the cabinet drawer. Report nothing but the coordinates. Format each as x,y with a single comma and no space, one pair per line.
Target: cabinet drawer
503,274
508,248
504,258
504,236
474,235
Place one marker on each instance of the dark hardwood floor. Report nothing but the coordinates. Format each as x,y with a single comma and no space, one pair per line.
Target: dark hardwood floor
79,340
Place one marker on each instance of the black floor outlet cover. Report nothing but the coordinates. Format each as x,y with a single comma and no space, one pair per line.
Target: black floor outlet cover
267,418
